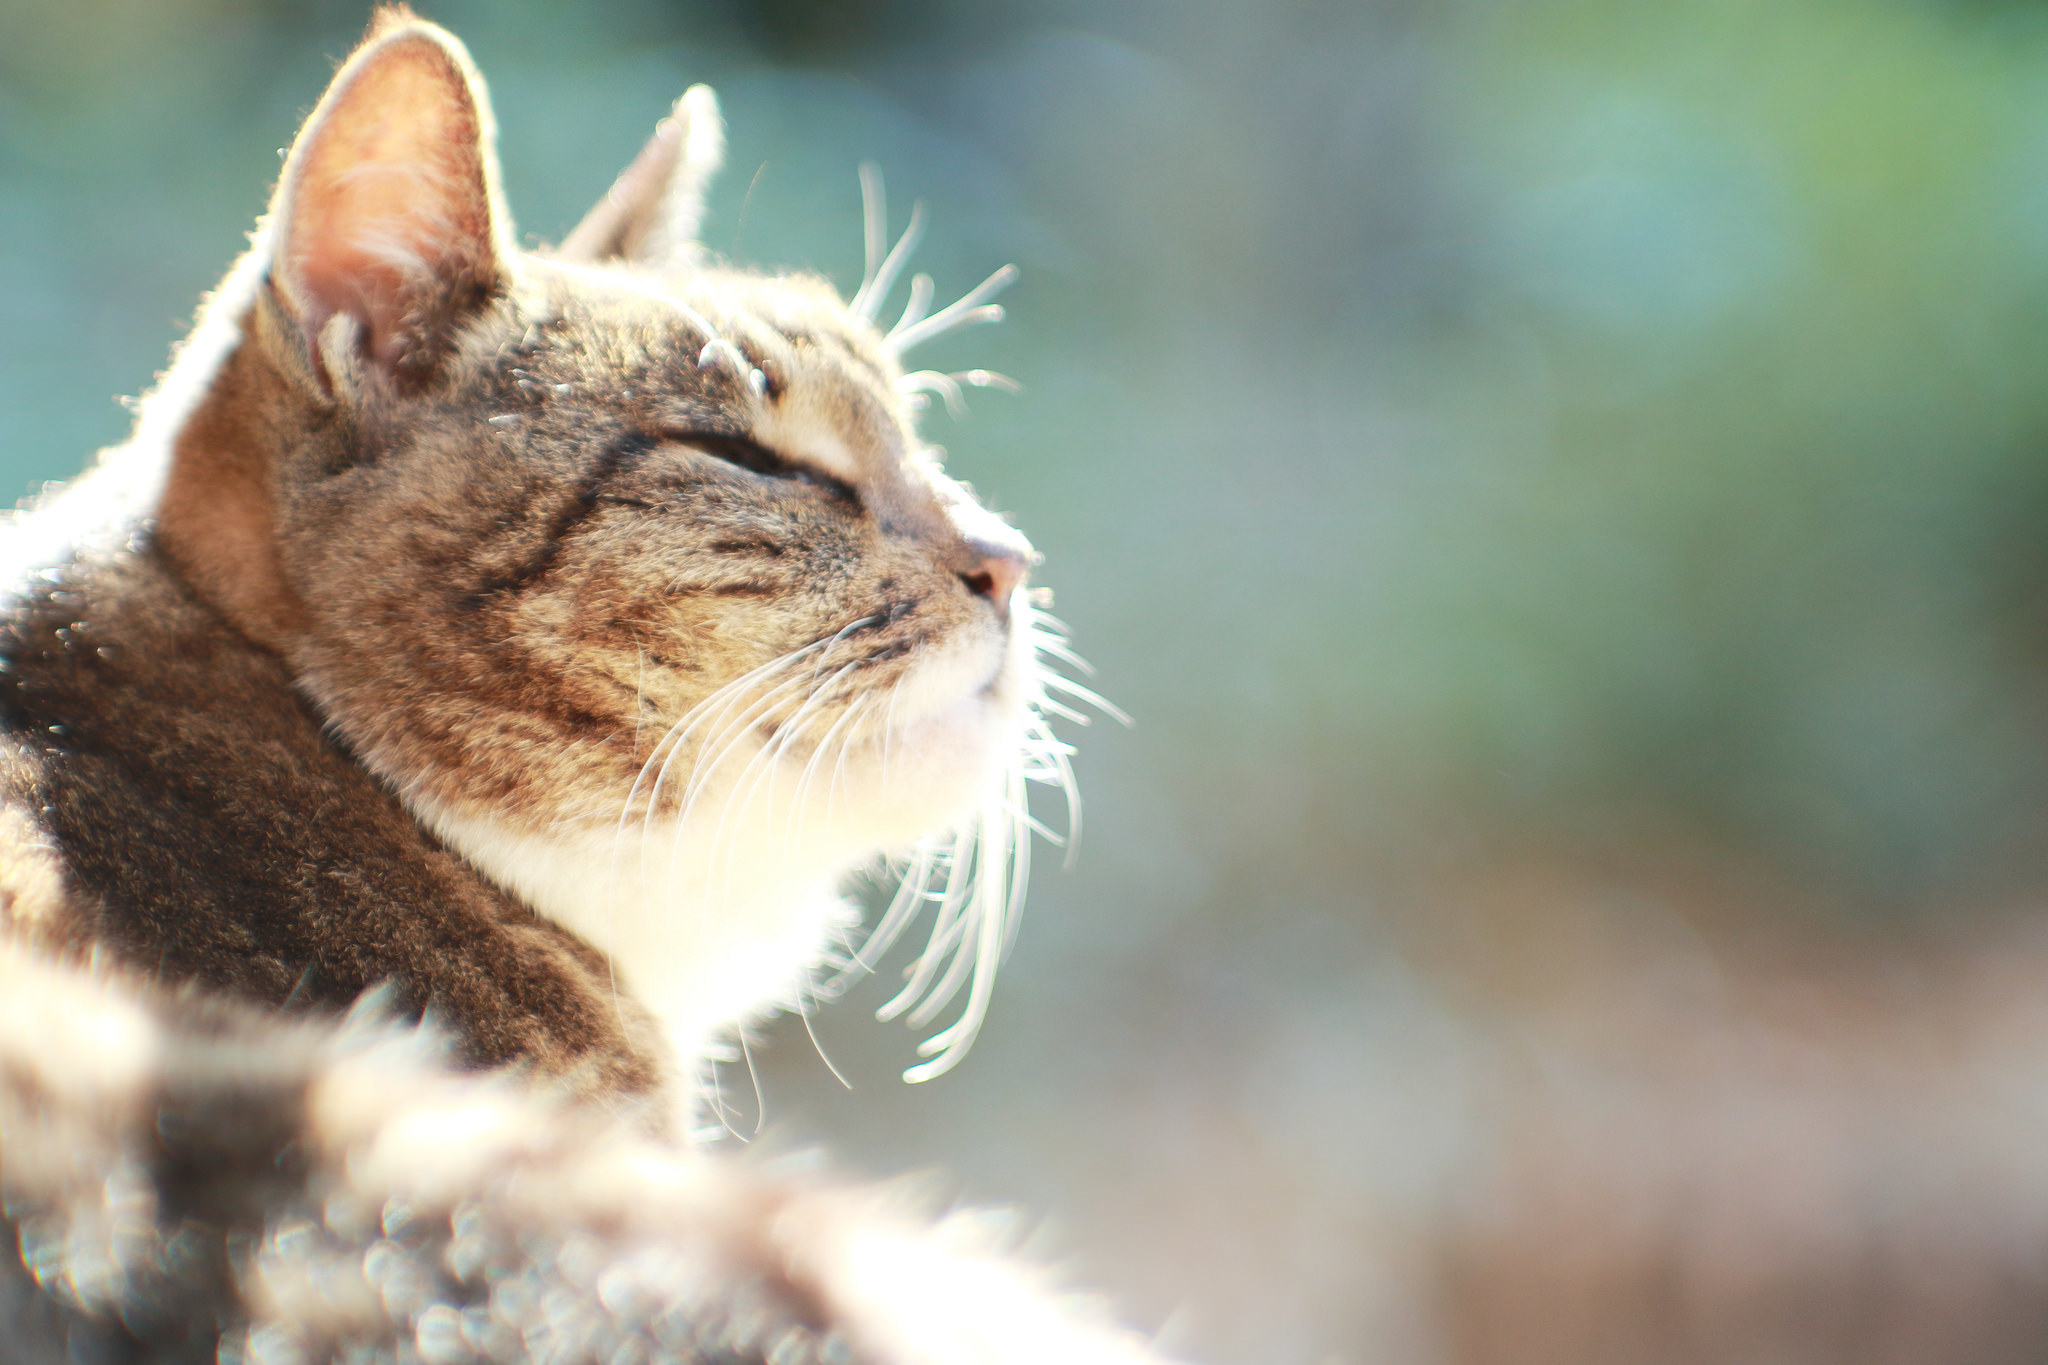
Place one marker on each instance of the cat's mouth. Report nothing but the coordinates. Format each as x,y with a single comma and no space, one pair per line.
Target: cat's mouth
895,688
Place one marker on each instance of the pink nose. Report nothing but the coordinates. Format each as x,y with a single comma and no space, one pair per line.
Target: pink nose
990,555
995,560
996,578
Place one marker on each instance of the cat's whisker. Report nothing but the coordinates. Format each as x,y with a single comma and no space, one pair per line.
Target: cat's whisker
971,308
943,933
990,906
985,868
1054,642
988,379
737,728
803,790
1089,695
719,1107
867,302
804,1011
889,728
1056,769
719,348
719,748
949,386
758,765
819,749
911,895
712,707
961,959
866,706
932,381
754,1074
921,287
879,273
990,925
717,710
1039,827
639,693
1020,844
671,740
836,956
768,760
724,700
663,753
1064,712
874,221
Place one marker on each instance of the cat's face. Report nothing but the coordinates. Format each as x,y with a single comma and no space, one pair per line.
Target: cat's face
596,536
629,573
520,581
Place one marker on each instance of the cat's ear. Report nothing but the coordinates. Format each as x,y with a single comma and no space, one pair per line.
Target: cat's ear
388,214
651,213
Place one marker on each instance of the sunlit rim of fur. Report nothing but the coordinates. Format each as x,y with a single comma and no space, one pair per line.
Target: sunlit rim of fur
916,325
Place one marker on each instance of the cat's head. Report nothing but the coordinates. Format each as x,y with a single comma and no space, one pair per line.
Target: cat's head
608,537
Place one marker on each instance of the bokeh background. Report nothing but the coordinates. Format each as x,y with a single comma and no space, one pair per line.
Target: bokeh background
1562,488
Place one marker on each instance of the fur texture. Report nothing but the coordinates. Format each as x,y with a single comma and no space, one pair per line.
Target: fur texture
545,636
530,642
188,1181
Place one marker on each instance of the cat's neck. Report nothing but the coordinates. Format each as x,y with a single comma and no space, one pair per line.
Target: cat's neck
710,929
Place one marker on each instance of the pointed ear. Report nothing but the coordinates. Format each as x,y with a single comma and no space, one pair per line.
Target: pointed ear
651,213
388,214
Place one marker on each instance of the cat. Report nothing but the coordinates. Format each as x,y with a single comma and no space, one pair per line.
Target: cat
543,637
455,708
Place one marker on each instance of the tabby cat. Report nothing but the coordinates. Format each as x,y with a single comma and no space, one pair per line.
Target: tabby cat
534,640
541,636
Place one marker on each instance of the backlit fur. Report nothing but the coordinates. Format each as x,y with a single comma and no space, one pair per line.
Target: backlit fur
628,576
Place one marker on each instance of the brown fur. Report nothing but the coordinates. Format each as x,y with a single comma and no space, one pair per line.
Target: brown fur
211,832
419,529
447,526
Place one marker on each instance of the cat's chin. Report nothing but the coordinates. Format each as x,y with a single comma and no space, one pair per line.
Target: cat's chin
945,747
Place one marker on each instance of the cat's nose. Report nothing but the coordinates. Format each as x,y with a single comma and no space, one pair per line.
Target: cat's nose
996,577
994,560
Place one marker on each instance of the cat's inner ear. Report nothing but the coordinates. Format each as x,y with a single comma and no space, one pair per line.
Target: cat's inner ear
651,214
388,213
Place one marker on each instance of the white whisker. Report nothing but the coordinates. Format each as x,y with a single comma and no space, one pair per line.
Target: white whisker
868,301
948,386
971,308
804,1011
921,287
1065,712
1074,689
1053,642
945,930
754,1073
983,867
874,228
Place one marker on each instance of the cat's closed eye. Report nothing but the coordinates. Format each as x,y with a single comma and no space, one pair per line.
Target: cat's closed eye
756,458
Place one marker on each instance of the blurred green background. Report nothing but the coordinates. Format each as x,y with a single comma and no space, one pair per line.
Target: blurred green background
1561,488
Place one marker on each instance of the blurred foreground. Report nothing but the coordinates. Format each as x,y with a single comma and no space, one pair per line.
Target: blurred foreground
1564,491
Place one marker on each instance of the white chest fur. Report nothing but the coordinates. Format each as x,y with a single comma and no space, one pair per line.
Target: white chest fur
708,930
